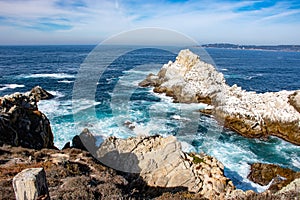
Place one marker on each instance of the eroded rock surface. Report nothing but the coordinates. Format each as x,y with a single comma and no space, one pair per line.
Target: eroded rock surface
274,175
190,80
161,163
22,124
294,100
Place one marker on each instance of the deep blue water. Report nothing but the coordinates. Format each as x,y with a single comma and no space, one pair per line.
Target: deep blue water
118,99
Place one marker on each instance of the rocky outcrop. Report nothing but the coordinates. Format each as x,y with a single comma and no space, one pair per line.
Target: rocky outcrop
74,174
40,94
161,163
273,175
22,124
190,80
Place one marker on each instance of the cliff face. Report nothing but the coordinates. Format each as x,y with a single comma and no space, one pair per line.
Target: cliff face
190,80
22,124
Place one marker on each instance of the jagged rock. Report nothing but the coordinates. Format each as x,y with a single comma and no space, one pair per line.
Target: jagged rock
279,177
85,141
22,124
30,184
161,163
40,94
190,80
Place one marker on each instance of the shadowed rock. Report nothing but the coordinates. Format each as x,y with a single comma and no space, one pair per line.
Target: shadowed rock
294,100
274,175
22,124
85,141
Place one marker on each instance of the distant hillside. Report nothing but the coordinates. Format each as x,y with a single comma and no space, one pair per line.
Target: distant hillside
254,47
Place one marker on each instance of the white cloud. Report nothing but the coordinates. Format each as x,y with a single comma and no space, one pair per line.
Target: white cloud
50,21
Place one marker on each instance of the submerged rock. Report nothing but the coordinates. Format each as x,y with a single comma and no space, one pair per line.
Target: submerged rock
190,80
161,163
22,124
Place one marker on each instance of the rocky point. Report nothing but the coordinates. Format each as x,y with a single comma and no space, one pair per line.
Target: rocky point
190,80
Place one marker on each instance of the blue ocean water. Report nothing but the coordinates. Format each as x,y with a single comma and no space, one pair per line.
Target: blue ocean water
118,99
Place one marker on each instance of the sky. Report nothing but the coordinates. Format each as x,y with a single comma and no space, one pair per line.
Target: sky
24,22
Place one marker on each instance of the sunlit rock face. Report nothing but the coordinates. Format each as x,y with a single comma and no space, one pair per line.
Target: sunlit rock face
190,80
161,163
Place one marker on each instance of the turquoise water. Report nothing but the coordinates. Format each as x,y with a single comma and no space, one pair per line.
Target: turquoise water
118,99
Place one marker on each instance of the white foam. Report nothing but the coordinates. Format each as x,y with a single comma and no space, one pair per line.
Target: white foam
83,104
53,76
65,81
223,69
56,94
49,107
296,162
10,86
177,117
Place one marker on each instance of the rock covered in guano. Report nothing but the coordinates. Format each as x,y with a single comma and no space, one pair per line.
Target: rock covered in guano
161,163
190,80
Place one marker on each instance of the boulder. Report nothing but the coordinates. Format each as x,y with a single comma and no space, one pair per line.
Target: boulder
30,184
190,80
22,124
269,174
85,141
161,163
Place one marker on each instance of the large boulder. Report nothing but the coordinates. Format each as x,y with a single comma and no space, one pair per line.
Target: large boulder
22,124
190,80
161,163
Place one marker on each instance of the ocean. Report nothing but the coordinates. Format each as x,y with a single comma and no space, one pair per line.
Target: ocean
118,107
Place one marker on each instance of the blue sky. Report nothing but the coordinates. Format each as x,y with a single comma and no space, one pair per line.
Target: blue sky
206,21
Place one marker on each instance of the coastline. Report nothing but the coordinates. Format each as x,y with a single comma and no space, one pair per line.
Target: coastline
169,175
282,48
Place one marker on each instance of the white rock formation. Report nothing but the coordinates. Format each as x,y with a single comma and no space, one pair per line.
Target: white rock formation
161,163
189,79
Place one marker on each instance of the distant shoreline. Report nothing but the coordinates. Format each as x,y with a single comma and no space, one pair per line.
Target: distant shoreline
286,48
